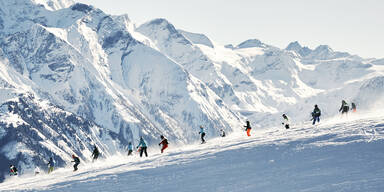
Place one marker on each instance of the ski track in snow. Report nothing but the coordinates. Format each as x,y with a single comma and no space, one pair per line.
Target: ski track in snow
337,155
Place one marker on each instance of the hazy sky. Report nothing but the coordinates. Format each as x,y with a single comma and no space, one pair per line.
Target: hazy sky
355,26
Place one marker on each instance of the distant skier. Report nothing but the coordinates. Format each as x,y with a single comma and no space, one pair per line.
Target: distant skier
51,165
12,170
163,142
130,148
76,160
143,147
344,107
248,128
353,107
316,115
37,170
95,153
202,134
286,121
222,133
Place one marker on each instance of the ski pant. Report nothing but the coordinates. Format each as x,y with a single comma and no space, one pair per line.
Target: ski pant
75,166
143,149
164,147
129,152
249,132
50,169
202,137
316,118
345,109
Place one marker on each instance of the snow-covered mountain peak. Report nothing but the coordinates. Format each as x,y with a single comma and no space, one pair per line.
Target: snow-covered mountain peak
251,43
325,52
54,4
323,48
197,38
294,46
162,24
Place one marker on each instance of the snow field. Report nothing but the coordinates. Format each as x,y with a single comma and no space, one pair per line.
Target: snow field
336,155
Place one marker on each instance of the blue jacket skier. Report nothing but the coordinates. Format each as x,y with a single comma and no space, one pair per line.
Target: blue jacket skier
130,148
202,134
143,147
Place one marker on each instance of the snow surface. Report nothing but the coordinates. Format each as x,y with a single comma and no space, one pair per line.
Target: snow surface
340,154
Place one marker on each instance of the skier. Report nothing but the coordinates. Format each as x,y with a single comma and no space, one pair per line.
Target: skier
316,115
222,133
77,162
248,128
130,149
51,165
353,107
163,142
344,107
37,170
202,134
95,153
286,121
143,147
12,170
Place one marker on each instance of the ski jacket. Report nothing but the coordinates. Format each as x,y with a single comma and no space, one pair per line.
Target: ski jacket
344,106
95,152
353,106
51,163
248,126
13,169
76,160
201,130
222,134
130,147
164,142
286,121
316,112
142,143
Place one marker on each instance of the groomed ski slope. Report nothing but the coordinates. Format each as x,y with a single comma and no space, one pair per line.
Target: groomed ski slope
339,154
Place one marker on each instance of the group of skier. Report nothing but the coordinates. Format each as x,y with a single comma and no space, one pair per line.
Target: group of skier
51,163
142,146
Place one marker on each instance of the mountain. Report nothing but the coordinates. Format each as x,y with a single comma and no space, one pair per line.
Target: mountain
73,76
88,64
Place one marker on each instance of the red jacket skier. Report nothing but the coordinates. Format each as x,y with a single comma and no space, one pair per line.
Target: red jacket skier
163,142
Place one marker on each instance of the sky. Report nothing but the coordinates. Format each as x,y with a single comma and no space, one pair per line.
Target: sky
354,26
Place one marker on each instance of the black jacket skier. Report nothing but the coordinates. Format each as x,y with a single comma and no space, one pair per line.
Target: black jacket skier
77,162
344,107
316,114
12,170
222,133
95,153
286,121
